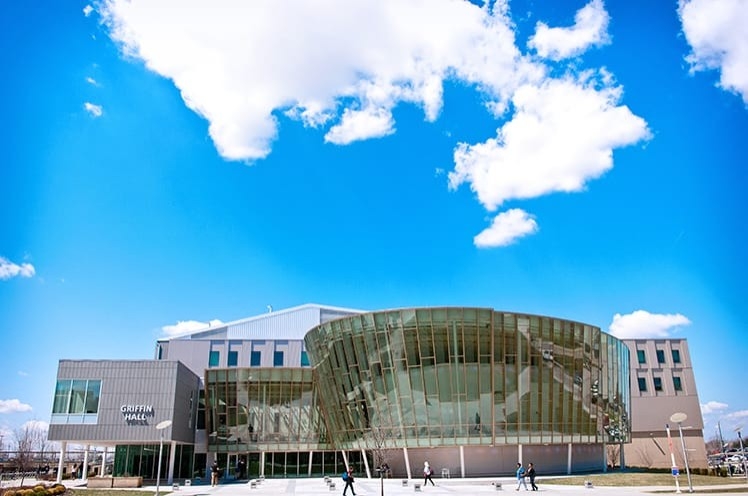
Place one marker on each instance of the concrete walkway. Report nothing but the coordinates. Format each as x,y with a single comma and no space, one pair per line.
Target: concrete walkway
395,487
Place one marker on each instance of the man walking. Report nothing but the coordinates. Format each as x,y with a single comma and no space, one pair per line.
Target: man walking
521,476
531,475
349,482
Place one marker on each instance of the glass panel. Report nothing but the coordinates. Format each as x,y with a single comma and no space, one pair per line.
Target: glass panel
62,397
676,356
77,397
255,358
214,359
233,358
92,396
660,356
658,384
640,356
677,384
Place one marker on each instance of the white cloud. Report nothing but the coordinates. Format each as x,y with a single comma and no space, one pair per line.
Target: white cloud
361,124
188,326
716,31
562,135
506,228
238,62
91,81
87,10
712,407
590,29
642,324
345,66
94,110
13,406
9,269
23,373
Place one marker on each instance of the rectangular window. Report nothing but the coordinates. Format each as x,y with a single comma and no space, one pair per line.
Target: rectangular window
76,397
255,359
660,356
304,359
278,359
640,355
62,397
93,390
676,356
677,385
233,358
658,383
642,384
215,358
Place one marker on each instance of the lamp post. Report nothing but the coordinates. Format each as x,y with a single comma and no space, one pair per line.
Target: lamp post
160,428
742,453
678,418
672,459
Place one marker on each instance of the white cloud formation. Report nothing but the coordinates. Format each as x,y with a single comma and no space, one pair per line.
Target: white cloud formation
188,326
9,269
87,10
91,81
562,135
716,31
713,407
238,62
590,29
13,406
642,324
344,66
23,373
94,110
506,228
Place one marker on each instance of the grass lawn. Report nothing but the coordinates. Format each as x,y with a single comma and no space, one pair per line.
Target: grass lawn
640,479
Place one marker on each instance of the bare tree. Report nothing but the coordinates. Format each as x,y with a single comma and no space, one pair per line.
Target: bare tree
378,442
24,438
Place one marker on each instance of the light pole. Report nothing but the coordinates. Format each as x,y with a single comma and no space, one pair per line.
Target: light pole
678,418
742,453
672,459
160,428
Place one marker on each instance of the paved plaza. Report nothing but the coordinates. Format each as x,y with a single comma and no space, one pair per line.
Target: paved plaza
395,487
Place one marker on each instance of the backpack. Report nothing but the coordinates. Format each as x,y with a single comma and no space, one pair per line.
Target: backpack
345,476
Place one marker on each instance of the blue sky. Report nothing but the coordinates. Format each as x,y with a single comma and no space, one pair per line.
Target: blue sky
165,165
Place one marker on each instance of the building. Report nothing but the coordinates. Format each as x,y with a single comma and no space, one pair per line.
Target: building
310,390
662,384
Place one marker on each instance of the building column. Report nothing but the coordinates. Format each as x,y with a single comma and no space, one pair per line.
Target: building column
262,464
519,452
462,462
84,474
568,459
172,458
102,470
366,464
61,461
407,462
345,459
309,469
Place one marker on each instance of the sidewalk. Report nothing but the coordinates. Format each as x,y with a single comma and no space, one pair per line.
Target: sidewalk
395,487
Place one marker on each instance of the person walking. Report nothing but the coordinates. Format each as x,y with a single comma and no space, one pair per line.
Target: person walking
349,482
531,475
214,472
521,476
427,473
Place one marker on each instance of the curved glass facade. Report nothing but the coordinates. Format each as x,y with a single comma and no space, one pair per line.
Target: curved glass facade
429,377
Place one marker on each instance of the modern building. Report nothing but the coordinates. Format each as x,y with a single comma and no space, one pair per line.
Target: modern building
663,384
310,390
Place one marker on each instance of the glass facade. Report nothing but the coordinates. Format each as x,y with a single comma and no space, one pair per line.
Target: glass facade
469,376
76,401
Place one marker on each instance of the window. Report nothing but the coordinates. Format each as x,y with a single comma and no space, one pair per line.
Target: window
233,358
215,358
676,356
278,359
79,396
642,384
658,383
304,359
640,355
660,356
255,359
677,385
